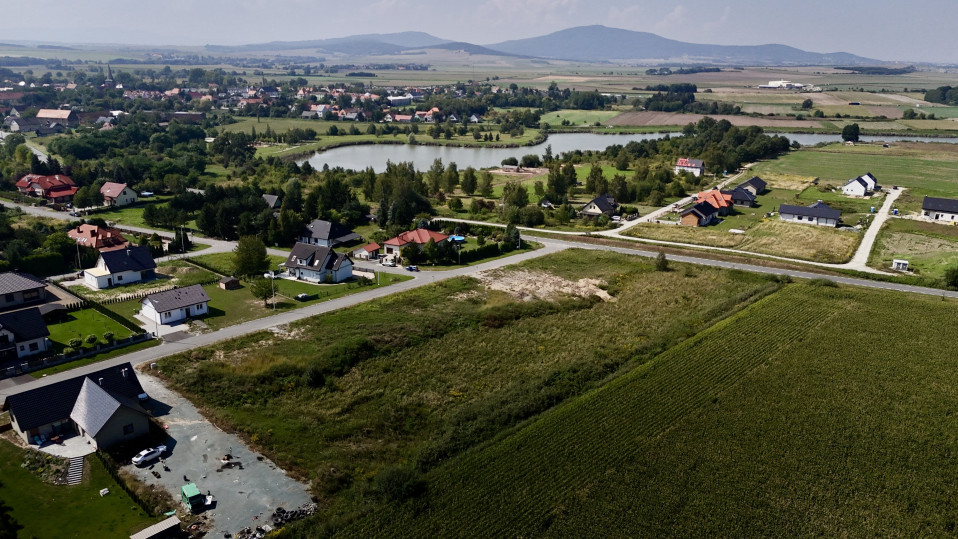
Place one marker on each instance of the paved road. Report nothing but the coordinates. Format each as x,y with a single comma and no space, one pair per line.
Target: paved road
422,278
860,260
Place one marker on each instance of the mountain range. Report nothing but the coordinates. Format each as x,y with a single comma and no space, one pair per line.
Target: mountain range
582,43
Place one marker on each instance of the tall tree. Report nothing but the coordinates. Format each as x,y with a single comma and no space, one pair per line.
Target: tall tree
469,181
249,257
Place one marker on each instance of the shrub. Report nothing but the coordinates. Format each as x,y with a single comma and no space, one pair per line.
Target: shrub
75,343
91,339
399,483
661,262
108,336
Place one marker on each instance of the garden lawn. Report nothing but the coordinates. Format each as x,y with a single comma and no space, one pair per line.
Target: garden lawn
79,324
806,414
355,398
222,263
46,510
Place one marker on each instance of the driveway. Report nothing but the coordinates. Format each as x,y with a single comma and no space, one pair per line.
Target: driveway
246,493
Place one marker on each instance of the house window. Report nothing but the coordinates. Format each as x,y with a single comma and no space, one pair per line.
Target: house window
166,315
34,346
22,348
8,298
31,295
200,306
119,277
128,429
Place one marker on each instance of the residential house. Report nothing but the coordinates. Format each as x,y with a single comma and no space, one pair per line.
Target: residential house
99,237
370,251
754,185
818,214
272,201
319,264
856,187
939,209
103,405
600,205
399,101
869,179
475,119
23,333
119,267
695,166
67,117
117,194
326,234
174,306
56,188
721,200
741,197
701,214
418,237
453,118
19,289
24,125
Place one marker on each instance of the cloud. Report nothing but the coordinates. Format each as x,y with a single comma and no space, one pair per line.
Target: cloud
672,21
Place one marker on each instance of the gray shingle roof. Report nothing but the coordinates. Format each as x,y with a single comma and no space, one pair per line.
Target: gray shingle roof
314,257
328,230
11,282
948,205
818,209
740,194
178,298
54,402
758,183
271,200
26,324
133,258
93,407
703,209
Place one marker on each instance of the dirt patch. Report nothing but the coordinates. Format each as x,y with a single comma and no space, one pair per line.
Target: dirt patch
888,112
902,244
644,118
791,182
529,285
520,172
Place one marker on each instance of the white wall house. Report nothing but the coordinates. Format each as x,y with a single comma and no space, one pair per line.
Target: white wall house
816,214
855,188
123,266
941,210
117,194
22,334
318,264
326,234
177,305
695,166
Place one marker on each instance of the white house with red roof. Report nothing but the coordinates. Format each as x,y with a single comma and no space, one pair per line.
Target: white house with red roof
370,251
695,166
117,194
418,237
56,188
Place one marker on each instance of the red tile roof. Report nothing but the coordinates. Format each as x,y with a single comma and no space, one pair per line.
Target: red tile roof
100,238
716,198
420,236
112,189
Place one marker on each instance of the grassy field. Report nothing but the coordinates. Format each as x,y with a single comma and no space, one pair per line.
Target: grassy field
46,510
133,215
799,416
95,358
929,248
578,117
352,398
223,262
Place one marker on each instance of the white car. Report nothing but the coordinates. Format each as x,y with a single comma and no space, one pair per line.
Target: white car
148,454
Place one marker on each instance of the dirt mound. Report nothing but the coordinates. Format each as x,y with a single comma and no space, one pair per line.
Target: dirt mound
528,285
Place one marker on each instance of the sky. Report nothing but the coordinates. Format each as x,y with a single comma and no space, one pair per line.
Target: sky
913,30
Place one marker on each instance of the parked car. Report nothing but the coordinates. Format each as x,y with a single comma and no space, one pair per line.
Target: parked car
390,262
74,214
302,297
412,268
148,454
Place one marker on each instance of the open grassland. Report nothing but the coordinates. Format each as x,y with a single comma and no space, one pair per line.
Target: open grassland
930,248
761,235
354,399
578,117
807,414
925,167
47,510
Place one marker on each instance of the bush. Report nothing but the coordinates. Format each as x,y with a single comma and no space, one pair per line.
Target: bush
91,339
661,262
75,343
108,336
398,483
455,204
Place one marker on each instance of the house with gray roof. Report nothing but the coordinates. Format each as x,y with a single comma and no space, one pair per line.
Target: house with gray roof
818,213
103,406
326,234
754,185
123,266
942,210
318,264
600,205
19,289
23,333
174,306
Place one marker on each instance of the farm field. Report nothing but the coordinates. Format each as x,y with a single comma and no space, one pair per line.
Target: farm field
363,398
577,117
803,414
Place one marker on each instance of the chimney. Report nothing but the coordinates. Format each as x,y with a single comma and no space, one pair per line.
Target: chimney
128,252
101,381
123,372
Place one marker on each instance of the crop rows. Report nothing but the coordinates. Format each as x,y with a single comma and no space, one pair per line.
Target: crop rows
514,487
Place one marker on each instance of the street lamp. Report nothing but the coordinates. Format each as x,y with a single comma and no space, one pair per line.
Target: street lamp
272,286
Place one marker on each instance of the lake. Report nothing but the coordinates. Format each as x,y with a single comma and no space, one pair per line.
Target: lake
376,155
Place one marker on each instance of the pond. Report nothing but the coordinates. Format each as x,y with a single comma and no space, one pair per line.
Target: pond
376,155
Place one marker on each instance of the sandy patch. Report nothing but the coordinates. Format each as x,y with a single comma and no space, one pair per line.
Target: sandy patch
529,285
645,117
888,112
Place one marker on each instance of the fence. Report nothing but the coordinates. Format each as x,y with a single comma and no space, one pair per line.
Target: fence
110,465
59,359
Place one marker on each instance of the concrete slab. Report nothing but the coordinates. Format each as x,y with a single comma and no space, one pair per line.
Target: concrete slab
74,446
251,488
160,330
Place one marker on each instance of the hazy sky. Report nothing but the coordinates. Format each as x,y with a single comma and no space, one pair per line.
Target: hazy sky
913,30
